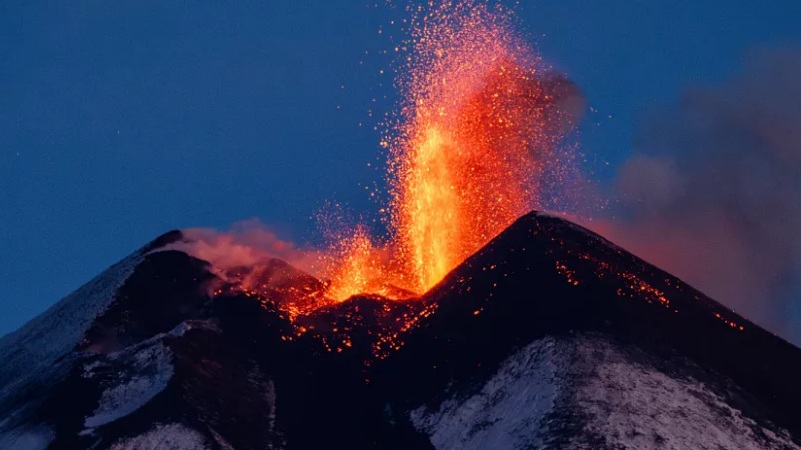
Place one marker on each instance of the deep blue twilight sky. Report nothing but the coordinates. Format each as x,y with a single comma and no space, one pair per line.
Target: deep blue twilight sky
122,120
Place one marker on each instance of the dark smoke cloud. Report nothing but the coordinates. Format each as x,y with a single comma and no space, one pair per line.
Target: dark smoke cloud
713,193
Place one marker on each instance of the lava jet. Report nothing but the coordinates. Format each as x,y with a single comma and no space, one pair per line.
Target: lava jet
549,336
475,323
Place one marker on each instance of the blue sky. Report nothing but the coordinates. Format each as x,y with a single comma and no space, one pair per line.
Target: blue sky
119,121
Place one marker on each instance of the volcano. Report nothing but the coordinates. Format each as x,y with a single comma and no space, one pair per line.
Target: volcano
549,336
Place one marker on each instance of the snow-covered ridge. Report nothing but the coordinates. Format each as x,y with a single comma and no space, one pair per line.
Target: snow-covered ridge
29,438
37,349
173,436
136,376
623,402
508,411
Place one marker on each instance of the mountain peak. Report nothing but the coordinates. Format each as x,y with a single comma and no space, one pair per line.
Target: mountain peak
549,336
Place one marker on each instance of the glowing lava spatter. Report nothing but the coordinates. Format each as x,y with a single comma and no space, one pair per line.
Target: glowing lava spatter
475,146
473,132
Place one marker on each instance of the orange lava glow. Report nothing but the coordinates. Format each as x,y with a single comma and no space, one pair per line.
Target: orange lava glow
465,156
473,144
357,271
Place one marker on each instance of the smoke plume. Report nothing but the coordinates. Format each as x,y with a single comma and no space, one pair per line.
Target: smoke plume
246,244
713,192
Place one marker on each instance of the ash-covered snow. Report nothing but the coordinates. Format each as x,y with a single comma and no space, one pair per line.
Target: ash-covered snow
508,410
38,351
187,325
172,436
633,405
224,445
614,396
136,376
28,438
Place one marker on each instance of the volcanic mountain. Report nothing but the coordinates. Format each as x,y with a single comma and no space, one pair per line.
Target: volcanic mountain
550,336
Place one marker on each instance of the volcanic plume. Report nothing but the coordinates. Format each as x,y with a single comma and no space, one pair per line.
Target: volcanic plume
466,327
549,336
477,129
472,144
713,190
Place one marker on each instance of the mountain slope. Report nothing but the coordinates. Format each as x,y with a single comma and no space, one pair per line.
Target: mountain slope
545,276
548,337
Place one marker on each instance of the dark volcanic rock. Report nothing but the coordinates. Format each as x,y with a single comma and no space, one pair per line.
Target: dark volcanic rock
548,337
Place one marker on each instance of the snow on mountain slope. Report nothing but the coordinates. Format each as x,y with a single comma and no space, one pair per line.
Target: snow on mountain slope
131,379
622,400
172,436
36,351
32,438
549,337
508,411
637,405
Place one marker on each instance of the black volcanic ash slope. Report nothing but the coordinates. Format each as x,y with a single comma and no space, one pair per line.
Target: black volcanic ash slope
545,276
606,350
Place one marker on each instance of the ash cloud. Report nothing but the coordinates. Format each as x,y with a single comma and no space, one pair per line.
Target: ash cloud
713,192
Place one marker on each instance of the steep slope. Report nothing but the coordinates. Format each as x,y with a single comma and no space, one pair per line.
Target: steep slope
589,391
41,352
545,276
548,337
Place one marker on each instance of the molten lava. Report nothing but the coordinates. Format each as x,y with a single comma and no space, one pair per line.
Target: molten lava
475,146
360,268
464,175
473,134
